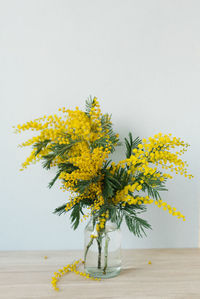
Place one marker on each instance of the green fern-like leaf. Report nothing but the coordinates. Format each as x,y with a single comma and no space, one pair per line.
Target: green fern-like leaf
108,188
48,160
75,215
135,224
131,144
63,149
63,167
40,146
153,186
60,210
88,105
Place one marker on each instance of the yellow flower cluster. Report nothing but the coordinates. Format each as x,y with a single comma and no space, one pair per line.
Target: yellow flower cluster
78,124
93,236
158,151
80,130
88,163
83,126
75,123
93,191
160,203
97,203
85,216
123,197
69,268
95,114
138,200
32,159
73,201
146,158
83,129
102,220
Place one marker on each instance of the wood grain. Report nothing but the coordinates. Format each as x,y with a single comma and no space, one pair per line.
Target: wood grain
174,273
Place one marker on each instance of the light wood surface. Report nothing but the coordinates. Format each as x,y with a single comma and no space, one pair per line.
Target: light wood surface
174,273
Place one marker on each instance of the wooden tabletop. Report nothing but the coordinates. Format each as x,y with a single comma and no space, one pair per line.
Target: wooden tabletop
173,273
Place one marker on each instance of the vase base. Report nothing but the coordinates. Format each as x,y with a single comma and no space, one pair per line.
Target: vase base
99,273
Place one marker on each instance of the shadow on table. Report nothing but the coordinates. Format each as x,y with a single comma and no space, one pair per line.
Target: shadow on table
126,271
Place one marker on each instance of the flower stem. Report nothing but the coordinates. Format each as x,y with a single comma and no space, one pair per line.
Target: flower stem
99,239
106,253
87,248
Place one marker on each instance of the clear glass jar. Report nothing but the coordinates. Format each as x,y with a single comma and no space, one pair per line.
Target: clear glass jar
102,250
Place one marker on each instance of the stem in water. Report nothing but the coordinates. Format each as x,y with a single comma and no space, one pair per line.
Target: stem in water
99,244
106,253
87,248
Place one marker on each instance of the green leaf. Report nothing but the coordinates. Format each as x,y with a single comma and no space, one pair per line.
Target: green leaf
116,215
101,142
67,167
88,105
63,149
114,182
131,144
134,209
63,167
153,187
75,215
135,224
40,146
86,202
106,122
108,187
106,164
113,141
120,178
60,210
81,186
48,159
50,185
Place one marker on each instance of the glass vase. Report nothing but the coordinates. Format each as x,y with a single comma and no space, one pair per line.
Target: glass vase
102,250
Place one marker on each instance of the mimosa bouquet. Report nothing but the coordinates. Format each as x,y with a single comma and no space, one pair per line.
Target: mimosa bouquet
77,144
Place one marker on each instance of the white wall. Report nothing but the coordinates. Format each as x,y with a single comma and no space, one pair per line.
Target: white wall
141,58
